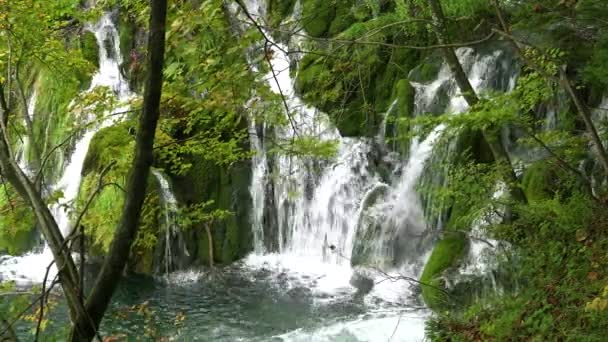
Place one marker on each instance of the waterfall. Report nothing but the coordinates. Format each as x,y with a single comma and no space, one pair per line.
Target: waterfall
171,226
31,268
336,216
23,154
258,184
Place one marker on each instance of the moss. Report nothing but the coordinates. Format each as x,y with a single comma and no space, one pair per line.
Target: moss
317,16
111,144
428,70
132,50
397,66
539,180
343,20
17,223
471,143
89,48
114,145
52,129
228,189
355,98
278,10
398,128
447,253
145,248
103,215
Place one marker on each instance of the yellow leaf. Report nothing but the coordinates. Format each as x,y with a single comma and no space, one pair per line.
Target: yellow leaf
581,235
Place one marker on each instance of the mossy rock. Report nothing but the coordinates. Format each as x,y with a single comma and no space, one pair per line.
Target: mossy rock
355,99
428,70
53,128
397,126
228,188
131,47
279,10
447,253
471,144
317,16
343,19
89,48
17,224
539,181
110,144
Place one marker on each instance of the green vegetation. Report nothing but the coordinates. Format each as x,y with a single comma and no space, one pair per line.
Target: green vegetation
17,223
446,253
361,62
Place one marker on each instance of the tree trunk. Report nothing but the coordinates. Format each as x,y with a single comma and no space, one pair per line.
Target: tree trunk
491,135
115,261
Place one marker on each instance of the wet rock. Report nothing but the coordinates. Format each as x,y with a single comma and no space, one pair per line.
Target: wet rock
362,283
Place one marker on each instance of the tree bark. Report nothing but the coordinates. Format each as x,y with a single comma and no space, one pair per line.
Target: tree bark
113,266
492,134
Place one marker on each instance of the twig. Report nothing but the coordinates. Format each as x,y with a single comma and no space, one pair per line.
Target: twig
396,327
43,299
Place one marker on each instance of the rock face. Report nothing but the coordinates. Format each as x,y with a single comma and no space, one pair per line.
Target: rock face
228,188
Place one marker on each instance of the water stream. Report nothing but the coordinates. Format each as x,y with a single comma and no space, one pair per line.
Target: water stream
31,268
173,246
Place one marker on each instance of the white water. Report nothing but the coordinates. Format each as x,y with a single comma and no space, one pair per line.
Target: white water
319,204
171,226
258,184
23,154
31,268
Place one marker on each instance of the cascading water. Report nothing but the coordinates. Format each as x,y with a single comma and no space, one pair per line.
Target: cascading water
23,154
31,268
258,185
343,204
170,249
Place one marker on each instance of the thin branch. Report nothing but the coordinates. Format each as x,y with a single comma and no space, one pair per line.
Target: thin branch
389,45
100,186
43,299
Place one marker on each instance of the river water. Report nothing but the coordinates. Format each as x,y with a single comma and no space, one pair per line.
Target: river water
245,303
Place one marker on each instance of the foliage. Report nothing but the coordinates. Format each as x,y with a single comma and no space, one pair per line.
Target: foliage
17,223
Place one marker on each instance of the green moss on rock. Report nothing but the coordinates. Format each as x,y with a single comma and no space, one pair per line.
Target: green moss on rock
89,48
17,223
447,253
228,188
356,98
343,19
53,128
110,144
278,10
113,146
398,127
317,16
539,181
